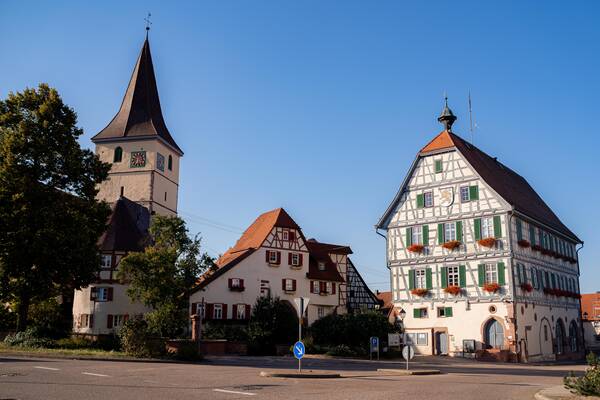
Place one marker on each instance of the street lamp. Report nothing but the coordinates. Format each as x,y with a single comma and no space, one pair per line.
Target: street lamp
399,320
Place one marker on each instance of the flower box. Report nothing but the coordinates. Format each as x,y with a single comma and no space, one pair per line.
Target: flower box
536,247
550,291
416,248
453,290
524,243
419,292
491,287
526,287
487,242
451,245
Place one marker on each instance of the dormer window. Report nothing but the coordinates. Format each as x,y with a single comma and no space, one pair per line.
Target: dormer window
321,266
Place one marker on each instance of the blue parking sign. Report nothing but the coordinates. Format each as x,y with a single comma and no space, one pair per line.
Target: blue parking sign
299,350
374,343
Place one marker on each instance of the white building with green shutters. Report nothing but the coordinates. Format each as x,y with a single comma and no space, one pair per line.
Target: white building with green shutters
478,261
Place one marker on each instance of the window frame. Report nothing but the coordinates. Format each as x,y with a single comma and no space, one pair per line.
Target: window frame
217,307
104,297
453,275
118,155
438,166
417,234
420,278
320,312
289,285
285,235
103,258
296,262
465,190
487,227
450,233
272,257
428,195
421,335
490,270
241,311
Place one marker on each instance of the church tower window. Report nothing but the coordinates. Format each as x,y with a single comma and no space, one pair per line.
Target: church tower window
118,157
170,163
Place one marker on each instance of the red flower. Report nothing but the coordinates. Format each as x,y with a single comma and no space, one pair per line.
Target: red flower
491,287
487,242
524,243
420,292
415,248
526,287
453,290
451,245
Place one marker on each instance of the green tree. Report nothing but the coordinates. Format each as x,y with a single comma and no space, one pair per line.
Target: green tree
50,217
273,321
162,276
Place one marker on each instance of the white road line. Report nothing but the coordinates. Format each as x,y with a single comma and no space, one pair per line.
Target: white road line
92,374
48,368
234,392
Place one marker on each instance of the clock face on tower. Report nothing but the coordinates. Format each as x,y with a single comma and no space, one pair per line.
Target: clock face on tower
138,159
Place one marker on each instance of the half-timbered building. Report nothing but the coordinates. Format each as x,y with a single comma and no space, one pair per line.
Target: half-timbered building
478,261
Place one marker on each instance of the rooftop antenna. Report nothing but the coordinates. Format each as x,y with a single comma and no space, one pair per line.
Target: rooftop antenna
470,117
148,23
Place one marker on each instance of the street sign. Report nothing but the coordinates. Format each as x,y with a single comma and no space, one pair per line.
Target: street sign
408,352
301,305
374,344
299,350
393,339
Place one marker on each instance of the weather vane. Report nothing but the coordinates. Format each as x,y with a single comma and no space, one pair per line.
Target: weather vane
148,23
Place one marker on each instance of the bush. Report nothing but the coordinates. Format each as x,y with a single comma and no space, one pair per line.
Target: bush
272,322
8,319
28,338
232,333
167,321
341,351
137,339
188,351
589,383
47,317
74,343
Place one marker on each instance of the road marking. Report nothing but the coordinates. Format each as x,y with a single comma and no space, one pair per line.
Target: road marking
48,368
234,392
92,374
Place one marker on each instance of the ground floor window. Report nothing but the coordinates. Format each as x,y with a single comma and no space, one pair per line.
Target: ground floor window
420,312
218,311
241,311
320,312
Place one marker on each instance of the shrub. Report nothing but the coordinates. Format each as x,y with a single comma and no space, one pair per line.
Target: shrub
28,338
74,343
233,333
341,350
589,383
188,351
8,319
167,320
48,318
137,339
272,322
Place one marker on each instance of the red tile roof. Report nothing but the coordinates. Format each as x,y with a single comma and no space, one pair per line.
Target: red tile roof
590,304
319,253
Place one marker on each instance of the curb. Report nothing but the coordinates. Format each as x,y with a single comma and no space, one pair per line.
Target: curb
298,375
410,372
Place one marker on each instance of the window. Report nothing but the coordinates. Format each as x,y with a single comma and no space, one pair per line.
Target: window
122,191
286,235
420,312
422,339
321,266
165,196
160,162
534,278
410,338
272,257
417,235
464,194
491,273
314,287
487,227
236,283
453,276
101,294
117,320
86,320
218,311
106,261
118,156
241,311
438,166
295,259
545,332
170,163
444,312
420,279
320,312
428,199
449,231
289,285
265,290
328,287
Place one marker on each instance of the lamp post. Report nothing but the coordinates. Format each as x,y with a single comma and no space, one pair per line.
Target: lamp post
400,320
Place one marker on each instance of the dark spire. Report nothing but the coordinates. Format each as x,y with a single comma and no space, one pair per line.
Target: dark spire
140,114
447,118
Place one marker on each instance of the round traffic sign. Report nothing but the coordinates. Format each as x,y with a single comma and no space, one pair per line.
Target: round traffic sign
408,352
299,350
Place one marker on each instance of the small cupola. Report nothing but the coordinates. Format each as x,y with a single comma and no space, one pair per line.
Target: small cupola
447,118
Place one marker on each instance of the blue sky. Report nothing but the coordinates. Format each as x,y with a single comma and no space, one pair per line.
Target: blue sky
320,106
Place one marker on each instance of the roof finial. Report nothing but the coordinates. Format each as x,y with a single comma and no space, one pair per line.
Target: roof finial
148,23
447,118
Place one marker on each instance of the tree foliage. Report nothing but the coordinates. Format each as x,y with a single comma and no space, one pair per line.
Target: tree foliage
51,220
162,276
272,322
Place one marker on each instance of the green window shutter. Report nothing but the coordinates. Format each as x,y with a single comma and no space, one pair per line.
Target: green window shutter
448,312
553,280
474,192
420,201
408,237
501,268
417,313
519,229
518,270
541,237
532,234
411,279
425,230
459,232
477,228
481,274
428,281
438,166
540,279
497,227
440,234
444,272
462,275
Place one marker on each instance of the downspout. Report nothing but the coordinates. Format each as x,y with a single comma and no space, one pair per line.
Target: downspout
387,262
579,301
512,280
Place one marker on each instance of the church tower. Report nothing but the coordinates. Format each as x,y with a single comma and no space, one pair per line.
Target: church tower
143,154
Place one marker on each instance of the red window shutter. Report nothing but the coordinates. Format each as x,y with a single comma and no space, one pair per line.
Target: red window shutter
234,311
241,283
300,258
109,321
278,257
230,283
224,311
194,308
292,235
312,286
109,296
248,310
268,253
321,287
333,287
91,320
93,294
294,285
289,258
283,284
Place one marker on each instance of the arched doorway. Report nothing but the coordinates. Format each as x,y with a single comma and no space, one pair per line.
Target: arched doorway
494,334
545,334
560,337
573,337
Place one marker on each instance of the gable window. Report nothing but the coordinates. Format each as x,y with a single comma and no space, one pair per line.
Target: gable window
106,261
217,311
420,279
469,193
453,276
321,266
491,273
285,235
170,163
118,156
428,199
236,284
438,166
449,231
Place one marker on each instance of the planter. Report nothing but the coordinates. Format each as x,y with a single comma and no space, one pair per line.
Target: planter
416,248
453,290
526,287
451,245
419,292
524,243
487,242
491,287
550,291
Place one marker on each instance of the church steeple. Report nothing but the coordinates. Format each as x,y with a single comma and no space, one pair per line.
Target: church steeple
140,115
447,117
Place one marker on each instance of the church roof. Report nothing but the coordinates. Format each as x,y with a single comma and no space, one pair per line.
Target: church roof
511,186
127,228
140,115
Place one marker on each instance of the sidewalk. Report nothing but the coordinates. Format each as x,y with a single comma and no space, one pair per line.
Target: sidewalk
560,393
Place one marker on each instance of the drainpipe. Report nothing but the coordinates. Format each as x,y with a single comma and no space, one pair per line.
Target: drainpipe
512,280
579,301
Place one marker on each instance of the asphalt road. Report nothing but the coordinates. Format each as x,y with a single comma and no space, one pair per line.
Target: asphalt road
238,378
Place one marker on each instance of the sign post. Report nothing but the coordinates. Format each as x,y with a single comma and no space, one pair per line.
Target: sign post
374,347
408,353
299,350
